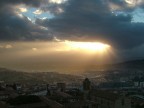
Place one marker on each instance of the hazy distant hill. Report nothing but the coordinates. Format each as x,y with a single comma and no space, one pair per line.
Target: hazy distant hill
117,72
134,64
38,77
50,77
139,64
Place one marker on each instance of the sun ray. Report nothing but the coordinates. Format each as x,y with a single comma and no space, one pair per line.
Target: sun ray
89,46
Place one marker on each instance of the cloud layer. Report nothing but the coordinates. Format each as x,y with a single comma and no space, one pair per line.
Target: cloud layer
15,26
108,21
93,20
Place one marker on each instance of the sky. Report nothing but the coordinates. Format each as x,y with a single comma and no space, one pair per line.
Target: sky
61,35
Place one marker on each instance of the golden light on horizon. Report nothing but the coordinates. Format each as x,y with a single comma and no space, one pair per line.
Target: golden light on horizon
61,56
88,46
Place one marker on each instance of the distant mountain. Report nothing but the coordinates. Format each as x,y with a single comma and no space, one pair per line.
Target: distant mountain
127,67
124,71
11,76
139,64
133,64
52,77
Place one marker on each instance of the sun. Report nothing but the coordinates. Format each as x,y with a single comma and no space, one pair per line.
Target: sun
91,46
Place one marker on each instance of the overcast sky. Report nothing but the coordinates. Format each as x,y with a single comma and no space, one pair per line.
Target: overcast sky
32,31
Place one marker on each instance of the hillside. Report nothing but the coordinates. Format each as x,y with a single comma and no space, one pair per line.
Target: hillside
134,64
116,72
125,69
38,77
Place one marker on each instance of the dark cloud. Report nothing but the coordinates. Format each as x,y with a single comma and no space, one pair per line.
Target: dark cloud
15,27
92,20
44,5
81,20
34,3
127,7
54,8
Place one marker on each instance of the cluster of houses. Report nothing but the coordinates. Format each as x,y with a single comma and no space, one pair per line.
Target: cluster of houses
61,96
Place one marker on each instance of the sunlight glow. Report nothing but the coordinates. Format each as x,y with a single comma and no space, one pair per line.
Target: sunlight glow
21,9
57,1
131,2
89,46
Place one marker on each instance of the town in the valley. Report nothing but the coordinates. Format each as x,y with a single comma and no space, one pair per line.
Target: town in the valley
64,95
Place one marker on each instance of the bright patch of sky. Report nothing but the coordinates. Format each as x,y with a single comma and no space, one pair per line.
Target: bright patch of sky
30,14
117,13
58,1
23,9
138,15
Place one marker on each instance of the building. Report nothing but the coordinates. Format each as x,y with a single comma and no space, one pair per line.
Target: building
61,97
86,85
106,99
61,87
4,95
138,82
137,101
39,92
81,104
86,88
17,86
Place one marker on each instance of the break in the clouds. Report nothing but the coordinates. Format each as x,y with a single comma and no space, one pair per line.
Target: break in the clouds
110,21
